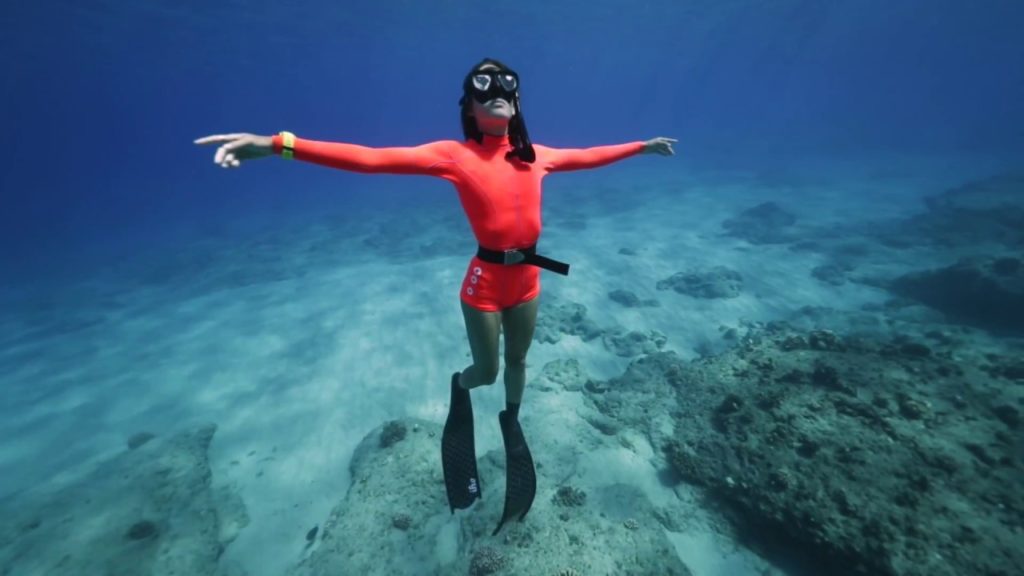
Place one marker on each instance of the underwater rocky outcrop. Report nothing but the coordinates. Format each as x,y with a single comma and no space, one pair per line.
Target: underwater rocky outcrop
888,455
889,458
987,293
984,213
766,223
710,283
979,225
570,318
394,519
565,318
151,510
629,299
962,255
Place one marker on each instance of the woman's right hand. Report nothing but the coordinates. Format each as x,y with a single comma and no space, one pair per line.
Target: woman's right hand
237,147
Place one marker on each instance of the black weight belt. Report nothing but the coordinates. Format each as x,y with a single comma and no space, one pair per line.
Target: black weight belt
522,256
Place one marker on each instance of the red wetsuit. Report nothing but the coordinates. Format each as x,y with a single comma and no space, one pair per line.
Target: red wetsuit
501,197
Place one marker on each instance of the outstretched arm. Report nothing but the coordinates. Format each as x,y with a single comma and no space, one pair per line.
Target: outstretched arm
564,159
433,158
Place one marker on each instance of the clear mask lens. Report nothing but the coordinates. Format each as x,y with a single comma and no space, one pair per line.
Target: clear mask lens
508,82
481,82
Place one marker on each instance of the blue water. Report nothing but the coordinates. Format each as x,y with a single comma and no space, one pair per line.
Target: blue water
103,97
143,287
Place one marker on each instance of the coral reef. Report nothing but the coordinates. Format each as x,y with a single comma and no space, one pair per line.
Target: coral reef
138,439
987,293
571,319
141,530
834,274
710,283
486,560
861,453
765,223
393,432
631,300
565,318
567,373
569,497
633,343
372,529
401,521
143,511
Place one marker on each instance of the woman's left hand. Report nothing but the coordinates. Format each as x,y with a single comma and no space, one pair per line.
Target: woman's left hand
660,145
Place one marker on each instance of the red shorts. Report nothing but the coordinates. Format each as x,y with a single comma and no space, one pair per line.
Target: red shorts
495,287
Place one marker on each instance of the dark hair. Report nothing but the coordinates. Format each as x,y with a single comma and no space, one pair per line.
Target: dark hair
517,135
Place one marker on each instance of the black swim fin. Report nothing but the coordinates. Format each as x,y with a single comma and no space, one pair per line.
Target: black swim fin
458,450
521,483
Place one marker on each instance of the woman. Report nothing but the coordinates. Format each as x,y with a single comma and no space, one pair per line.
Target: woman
497,173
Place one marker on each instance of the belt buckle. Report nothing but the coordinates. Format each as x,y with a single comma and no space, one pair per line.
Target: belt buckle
513,257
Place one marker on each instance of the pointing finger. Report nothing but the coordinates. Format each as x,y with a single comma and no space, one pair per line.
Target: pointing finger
217,138
222,138
236,144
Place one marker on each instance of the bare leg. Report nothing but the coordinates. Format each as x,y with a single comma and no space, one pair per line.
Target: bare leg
483,330
520,473
518,323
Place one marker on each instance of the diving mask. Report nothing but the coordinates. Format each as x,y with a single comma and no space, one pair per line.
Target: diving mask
490,84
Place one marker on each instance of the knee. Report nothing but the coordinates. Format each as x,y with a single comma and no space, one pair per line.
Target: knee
488,374
515,361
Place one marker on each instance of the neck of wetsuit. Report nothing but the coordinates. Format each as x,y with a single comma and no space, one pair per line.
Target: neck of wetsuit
491,141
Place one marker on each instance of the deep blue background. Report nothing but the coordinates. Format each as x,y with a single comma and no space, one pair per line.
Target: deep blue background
101,99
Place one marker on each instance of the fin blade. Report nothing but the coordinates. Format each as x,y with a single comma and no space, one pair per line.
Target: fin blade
521,476
458,454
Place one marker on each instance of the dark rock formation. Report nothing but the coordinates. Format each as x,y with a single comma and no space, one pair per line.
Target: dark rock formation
392,433
631,300
138,439
988,294
150,511
977,213
833,274
633,343
765,223
565,318
372,528
715,282
845,451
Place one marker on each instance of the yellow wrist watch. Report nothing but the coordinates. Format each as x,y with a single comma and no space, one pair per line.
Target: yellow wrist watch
287,145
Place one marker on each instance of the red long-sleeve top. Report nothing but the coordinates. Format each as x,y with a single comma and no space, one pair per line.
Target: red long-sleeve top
501,198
